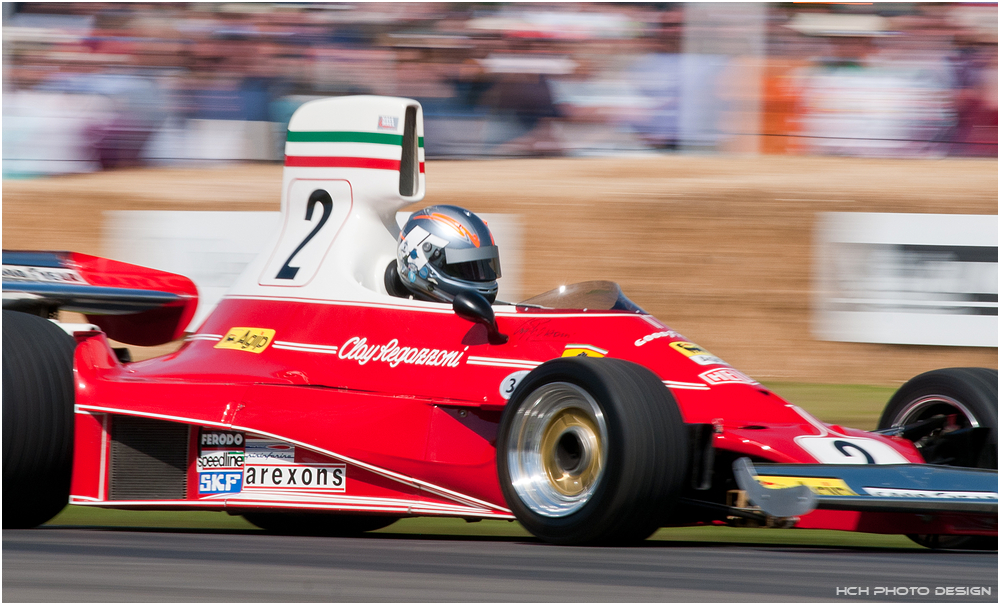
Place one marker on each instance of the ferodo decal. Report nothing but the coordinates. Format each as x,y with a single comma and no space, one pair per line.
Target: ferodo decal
220,440
696,354
357,349
726,376
254,340
329,477
651,337
849,450
268,450
510,382
820,485
583,351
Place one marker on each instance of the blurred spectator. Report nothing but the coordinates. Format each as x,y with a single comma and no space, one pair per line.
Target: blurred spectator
107,85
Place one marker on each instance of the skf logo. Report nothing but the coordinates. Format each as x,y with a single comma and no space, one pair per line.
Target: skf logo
583,351
220,482
254,340
388,122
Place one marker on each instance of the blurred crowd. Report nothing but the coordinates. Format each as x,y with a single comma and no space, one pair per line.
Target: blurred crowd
89,86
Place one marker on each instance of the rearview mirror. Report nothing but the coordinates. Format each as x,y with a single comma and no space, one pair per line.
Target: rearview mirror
474,307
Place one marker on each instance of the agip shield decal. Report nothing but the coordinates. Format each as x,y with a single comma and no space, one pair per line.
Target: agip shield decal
254,340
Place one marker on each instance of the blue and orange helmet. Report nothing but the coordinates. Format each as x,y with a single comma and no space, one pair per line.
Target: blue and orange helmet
444,250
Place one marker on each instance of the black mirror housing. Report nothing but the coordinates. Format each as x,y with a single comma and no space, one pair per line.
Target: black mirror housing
473,306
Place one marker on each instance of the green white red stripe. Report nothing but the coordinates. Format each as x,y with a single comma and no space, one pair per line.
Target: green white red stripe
373,150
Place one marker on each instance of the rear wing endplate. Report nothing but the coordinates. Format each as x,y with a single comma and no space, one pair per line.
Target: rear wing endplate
132,304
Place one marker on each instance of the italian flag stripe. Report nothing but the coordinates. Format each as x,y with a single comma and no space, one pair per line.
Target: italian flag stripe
343,162
349,137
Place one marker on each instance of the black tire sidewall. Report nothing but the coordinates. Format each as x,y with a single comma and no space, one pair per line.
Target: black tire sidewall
974,388
37,418
646,453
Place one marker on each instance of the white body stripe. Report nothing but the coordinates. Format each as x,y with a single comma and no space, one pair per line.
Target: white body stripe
694,386
342,150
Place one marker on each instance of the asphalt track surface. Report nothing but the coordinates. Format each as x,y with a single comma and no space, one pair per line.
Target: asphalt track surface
113,565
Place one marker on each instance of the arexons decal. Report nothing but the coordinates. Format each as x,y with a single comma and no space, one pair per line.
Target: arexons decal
357,348
696,354
254,340
330,477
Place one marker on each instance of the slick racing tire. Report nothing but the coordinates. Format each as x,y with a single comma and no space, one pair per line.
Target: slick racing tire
37,419
970,396
317,524
591,451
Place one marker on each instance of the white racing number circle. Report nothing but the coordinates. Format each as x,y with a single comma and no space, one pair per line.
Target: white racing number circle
510,382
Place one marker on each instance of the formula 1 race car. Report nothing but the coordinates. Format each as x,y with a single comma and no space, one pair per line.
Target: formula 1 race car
312,401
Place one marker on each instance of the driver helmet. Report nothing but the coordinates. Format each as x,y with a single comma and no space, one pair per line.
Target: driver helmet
444,250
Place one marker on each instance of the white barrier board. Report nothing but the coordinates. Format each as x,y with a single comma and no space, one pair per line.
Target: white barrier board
213,248
916,279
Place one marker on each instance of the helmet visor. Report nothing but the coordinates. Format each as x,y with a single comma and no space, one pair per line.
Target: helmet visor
473,264
474,270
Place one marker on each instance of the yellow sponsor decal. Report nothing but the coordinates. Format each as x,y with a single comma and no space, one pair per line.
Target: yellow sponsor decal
254,340
583,351
689,348
821,485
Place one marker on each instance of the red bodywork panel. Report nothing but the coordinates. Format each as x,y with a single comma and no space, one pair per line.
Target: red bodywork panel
147,328
405,400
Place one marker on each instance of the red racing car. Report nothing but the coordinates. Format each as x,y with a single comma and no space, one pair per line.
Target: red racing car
313,401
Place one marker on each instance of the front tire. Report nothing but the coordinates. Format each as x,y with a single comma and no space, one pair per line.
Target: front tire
969,397
317,524
591,451
37,419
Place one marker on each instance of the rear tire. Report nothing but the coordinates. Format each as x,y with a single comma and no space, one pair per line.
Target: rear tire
970,394
591,451
37,419
317,524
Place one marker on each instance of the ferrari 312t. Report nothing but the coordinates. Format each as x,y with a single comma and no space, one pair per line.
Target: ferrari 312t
312,401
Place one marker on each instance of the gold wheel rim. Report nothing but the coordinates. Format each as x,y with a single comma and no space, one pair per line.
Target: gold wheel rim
571,452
